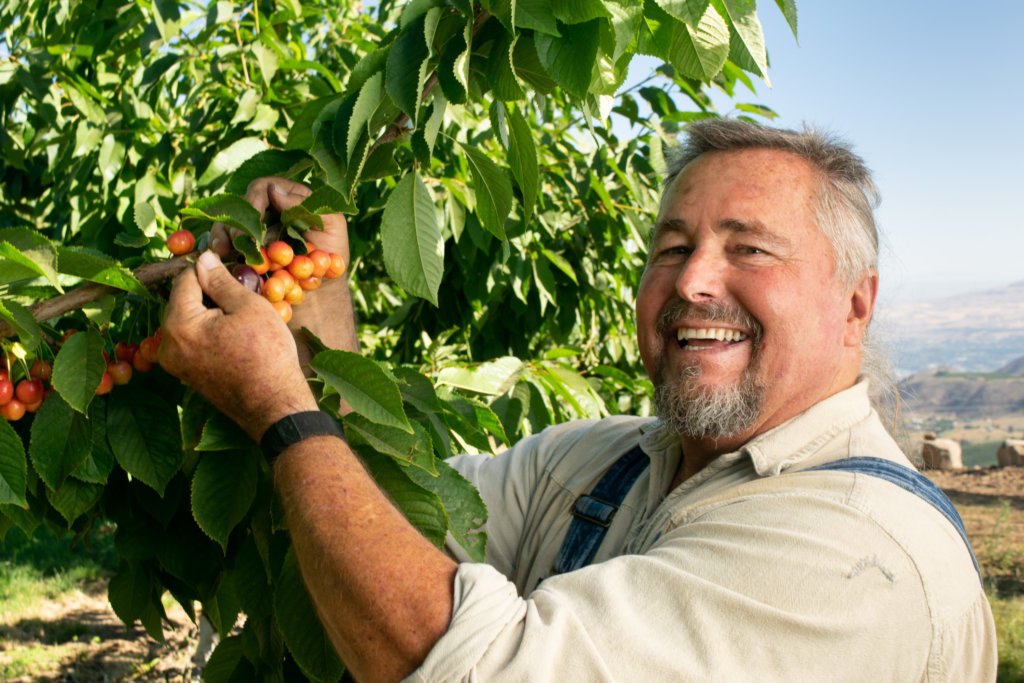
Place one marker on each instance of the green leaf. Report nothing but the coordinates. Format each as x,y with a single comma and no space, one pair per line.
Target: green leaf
223,488
365,105
13,466
411,449
78,368
227,160
522,158
421,507
269,162
579,11
406,69
29,252
145,435
528,67
500,74
96,468
220,433
465,511
747,39
364,385
227,663
788,9
570,58
453,67
97,267
411,239
493,191
561,263
74,498
537,15
300,627
547,288
697,51
61,440
22,322
229,209
493,378
133,596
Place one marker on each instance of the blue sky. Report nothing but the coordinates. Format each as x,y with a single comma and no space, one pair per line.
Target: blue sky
929,94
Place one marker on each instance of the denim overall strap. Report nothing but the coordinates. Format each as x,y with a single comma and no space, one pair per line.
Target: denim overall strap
593,512
909,480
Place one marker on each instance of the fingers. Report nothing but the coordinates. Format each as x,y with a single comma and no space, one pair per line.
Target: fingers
281,193
220,285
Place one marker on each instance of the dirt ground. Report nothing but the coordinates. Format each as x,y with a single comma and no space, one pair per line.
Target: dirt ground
79,639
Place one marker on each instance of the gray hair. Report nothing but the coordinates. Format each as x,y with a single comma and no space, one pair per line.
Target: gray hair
846,198
843,206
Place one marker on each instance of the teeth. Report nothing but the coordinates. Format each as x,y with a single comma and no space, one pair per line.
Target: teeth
719,333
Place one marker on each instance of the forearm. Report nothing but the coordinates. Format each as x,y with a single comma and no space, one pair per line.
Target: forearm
382,591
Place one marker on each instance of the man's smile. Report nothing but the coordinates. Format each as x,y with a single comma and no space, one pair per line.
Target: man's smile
703,338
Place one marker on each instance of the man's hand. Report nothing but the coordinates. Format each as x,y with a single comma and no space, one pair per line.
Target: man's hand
327,310
240,355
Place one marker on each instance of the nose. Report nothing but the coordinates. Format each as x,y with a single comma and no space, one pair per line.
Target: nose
700,278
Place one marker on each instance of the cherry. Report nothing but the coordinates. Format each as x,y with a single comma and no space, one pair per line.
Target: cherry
321,262
106,383
6,391
284,309
120,372
337,268
248,277
274,289
41,370
13,410
301,267
310,283
295,295
125,351
286,276
29,391
263,266
280,252
180,242
33,407
140,363
148,348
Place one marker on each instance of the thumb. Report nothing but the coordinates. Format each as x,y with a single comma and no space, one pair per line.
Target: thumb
220,285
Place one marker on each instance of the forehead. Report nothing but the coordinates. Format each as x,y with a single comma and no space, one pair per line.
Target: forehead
756,186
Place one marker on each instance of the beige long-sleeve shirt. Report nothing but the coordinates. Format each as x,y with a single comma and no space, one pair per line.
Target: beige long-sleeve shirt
747,571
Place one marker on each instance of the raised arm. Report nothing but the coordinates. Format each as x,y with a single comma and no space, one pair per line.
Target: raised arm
382,591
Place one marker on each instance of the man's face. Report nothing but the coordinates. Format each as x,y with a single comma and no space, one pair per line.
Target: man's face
741,322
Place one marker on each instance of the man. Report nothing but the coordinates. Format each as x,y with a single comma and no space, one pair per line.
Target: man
727,559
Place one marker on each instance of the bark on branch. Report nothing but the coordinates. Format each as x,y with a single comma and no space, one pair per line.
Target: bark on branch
150,275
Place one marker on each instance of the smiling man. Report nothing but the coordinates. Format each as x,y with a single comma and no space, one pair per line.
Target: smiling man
765,527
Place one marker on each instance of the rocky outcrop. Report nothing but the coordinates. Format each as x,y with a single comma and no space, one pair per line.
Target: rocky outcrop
1011,453
941,454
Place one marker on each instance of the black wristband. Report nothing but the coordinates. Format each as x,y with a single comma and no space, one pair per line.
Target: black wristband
291,429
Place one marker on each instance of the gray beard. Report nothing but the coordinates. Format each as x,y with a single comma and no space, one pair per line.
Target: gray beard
697,412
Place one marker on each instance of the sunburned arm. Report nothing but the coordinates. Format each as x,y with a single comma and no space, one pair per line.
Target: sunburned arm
383,592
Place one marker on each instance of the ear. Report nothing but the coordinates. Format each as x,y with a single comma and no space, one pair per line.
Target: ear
862,304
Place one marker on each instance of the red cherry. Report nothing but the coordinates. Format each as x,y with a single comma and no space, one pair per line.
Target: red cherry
6,391
13,410
41,370
125,350
140,363
148,349
106,383
120,372
29,391
180,242
280,252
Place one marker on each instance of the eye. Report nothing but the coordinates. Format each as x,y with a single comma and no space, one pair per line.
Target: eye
749,249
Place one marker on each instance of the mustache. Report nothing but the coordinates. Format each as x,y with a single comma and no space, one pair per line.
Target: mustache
714,311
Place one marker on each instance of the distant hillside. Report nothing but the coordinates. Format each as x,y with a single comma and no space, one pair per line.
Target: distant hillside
975,332
1014,367
967,395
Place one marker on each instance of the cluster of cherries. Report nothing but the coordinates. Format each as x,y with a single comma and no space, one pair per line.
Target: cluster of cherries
28,393
283,277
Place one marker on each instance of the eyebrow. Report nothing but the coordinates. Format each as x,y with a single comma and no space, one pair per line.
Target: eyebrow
733,225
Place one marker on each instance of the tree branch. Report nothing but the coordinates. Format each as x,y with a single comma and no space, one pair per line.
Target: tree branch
150,275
